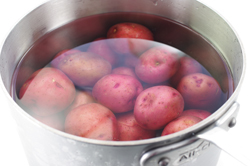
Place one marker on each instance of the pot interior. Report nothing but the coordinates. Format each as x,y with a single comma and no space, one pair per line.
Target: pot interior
197,31
165,31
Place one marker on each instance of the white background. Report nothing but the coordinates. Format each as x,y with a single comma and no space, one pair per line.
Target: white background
235,12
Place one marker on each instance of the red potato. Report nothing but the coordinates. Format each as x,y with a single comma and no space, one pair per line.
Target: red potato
84,68
47,92
55,121
23,74
82,97
199,91
124,71
202,114
157,106
130,130
117,92
131,60
157,65
129,31
180,123
101,47
212,65
42,53
136,46
92,121
188,66
59,56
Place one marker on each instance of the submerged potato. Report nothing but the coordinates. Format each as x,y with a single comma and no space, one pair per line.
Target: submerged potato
157,106
117,92
130,130
200,91
23,74
129,32
92,121
84,68
156,65
47,91
124,71
82,97
59,56
188,66
101,47
131,60
196,112
180,123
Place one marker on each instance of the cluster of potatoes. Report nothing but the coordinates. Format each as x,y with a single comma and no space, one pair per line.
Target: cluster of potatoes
124,87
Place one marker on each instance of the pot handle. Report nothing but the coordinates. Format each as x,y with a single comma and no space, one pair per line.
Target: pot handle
218,134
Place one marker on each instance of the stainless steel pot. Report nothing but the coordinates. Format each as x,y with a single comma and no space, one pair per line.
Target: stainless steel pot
198,145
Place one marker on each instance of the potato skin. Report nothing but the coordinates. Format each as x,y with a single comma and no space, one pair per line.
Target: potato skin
127,31
124,71
92,121
82,97
84,68
202,114
187,66
47,92
157,106
130,130
101,47
59,56
117,92
199,91
179,124
23,74
157,65
131,60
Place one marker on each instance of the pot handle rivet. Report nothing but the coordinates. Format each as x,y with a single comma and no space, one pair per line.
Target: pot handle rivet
163,162
232,123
